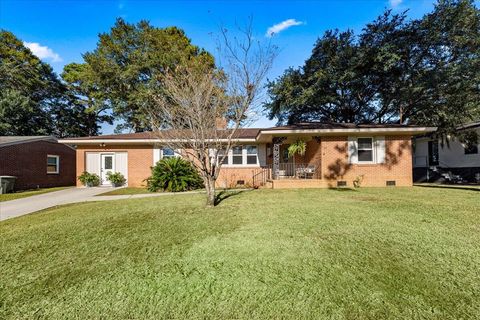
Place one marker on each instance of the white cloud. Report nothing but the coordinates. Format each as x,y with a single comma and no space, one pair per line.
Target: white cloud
43,52
395,3
279,27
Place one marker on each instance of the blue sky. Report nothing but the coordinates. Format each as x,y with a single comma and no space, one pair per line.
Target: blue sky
60,31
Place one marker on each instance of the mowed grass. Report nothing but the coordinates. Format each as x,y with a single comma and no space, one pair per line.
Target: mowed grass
125,191
397,253
28,193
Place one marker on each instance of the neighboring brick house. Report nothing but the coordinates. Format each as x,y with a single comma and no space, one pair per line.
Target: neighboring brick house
336,155
37,161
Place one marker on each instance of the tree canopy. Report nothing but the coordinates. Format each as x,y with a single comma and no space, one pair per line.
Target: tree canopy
124,70
33,100
424,71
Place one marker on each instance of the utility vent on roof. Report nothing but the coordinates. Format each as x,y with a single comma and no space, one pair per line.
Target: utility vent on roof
341,183
391,183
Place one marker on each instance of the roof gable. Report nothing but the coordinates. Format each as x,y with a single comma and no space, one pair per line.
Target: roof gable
12,140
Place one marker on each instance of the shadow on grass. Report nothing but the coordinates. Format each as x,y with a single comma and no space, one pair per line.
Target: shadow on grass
343,189
459,187
225,194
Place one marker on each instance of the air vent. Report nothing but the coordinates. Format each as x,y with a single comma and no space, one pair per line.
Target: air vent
240,182
341,183
391,183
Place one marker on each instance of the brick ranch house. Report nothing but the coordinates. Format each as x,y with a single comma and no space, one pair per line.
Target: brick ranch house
37,161
336,155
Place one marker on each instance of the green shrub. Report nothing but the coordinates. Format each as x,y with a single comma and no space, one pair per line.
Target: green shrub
116,178
174,175
89,179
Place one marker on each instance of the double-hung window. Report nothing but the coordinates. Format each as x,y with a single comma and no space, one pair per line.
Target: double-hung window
240,156
365,149
220,154
252,153
53,164
237,155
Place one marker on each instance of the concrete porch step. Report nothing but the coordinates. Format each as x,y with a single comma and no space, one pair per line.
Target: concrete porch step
301,183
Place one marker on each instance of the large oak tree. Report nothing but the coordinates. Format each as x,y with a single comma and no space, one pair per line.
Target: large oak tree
424,71
125,69
33,100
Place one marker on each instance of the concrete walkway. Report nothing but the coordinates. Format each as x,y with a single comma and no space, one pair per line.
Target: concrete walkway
20,207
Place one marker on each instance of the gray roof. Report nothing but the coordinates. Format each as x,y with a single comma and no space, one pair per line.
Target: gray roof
11,140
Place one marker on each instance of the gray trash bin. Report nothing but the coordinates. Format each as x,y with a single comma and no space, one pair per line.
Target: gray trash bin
7,183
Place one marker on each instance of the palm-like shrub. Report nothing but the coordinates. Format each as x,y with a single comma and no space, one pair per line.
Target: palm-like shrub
174,175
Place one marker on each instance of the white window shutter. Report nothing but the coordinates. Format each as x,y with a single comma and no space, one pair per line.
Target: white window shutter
262,154
352,150
156,155
380,149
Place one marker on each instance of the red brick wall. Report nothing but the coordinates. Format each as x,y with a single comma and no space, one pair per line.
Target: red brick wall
330,155
28,162
397,166
140,161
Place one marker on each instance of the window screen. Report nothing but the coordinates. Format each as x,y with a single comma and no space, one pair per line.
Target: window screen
52,164
237,157
365,149
252,154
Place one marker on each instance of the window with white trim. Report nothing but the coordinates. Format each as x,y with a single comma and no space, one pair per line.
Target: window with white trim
252,154
168,153
53,164
365,149
220,154
237,155
246,155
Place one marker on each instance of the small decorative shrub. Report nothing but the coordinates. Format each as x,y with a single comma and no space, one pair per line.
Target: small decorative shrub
357,183
174,175
117,179
89,179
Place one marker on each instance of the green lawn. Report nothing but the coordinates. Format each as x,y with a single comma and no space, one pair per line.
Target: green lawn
396,253
27,193
125,191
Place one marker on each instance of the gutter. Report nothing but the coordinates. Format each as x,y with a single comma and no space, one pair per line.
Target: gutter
137,141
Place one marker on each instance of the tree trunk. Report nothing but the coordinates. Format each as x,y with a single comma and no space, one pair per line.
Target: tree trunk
210,186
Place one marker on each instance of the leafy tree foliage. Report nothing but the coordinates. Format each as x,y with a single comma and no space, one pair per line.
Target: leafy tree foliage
123,71
79,80
33,101
27,89
424,71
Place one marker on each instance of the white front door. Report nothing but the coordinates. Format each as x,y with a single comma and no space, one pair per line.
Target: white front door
106,165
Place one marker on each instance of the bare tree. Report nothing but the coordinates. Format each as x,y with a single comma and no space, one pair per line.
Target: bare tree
187,118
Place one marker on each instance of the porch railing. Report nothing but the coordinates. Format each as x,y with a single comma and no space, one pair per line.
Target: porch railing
296,171
261,176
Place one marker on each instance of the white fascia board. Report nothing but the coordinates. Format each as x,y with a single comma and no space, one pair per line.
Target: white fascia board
137,141
415,130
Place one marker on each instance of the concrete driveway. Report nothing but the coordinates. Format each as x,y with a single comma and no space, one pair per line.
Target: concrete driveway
19,207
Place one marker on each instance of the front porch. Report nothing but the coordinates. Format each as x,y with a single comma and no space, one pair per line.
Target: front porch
284,170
